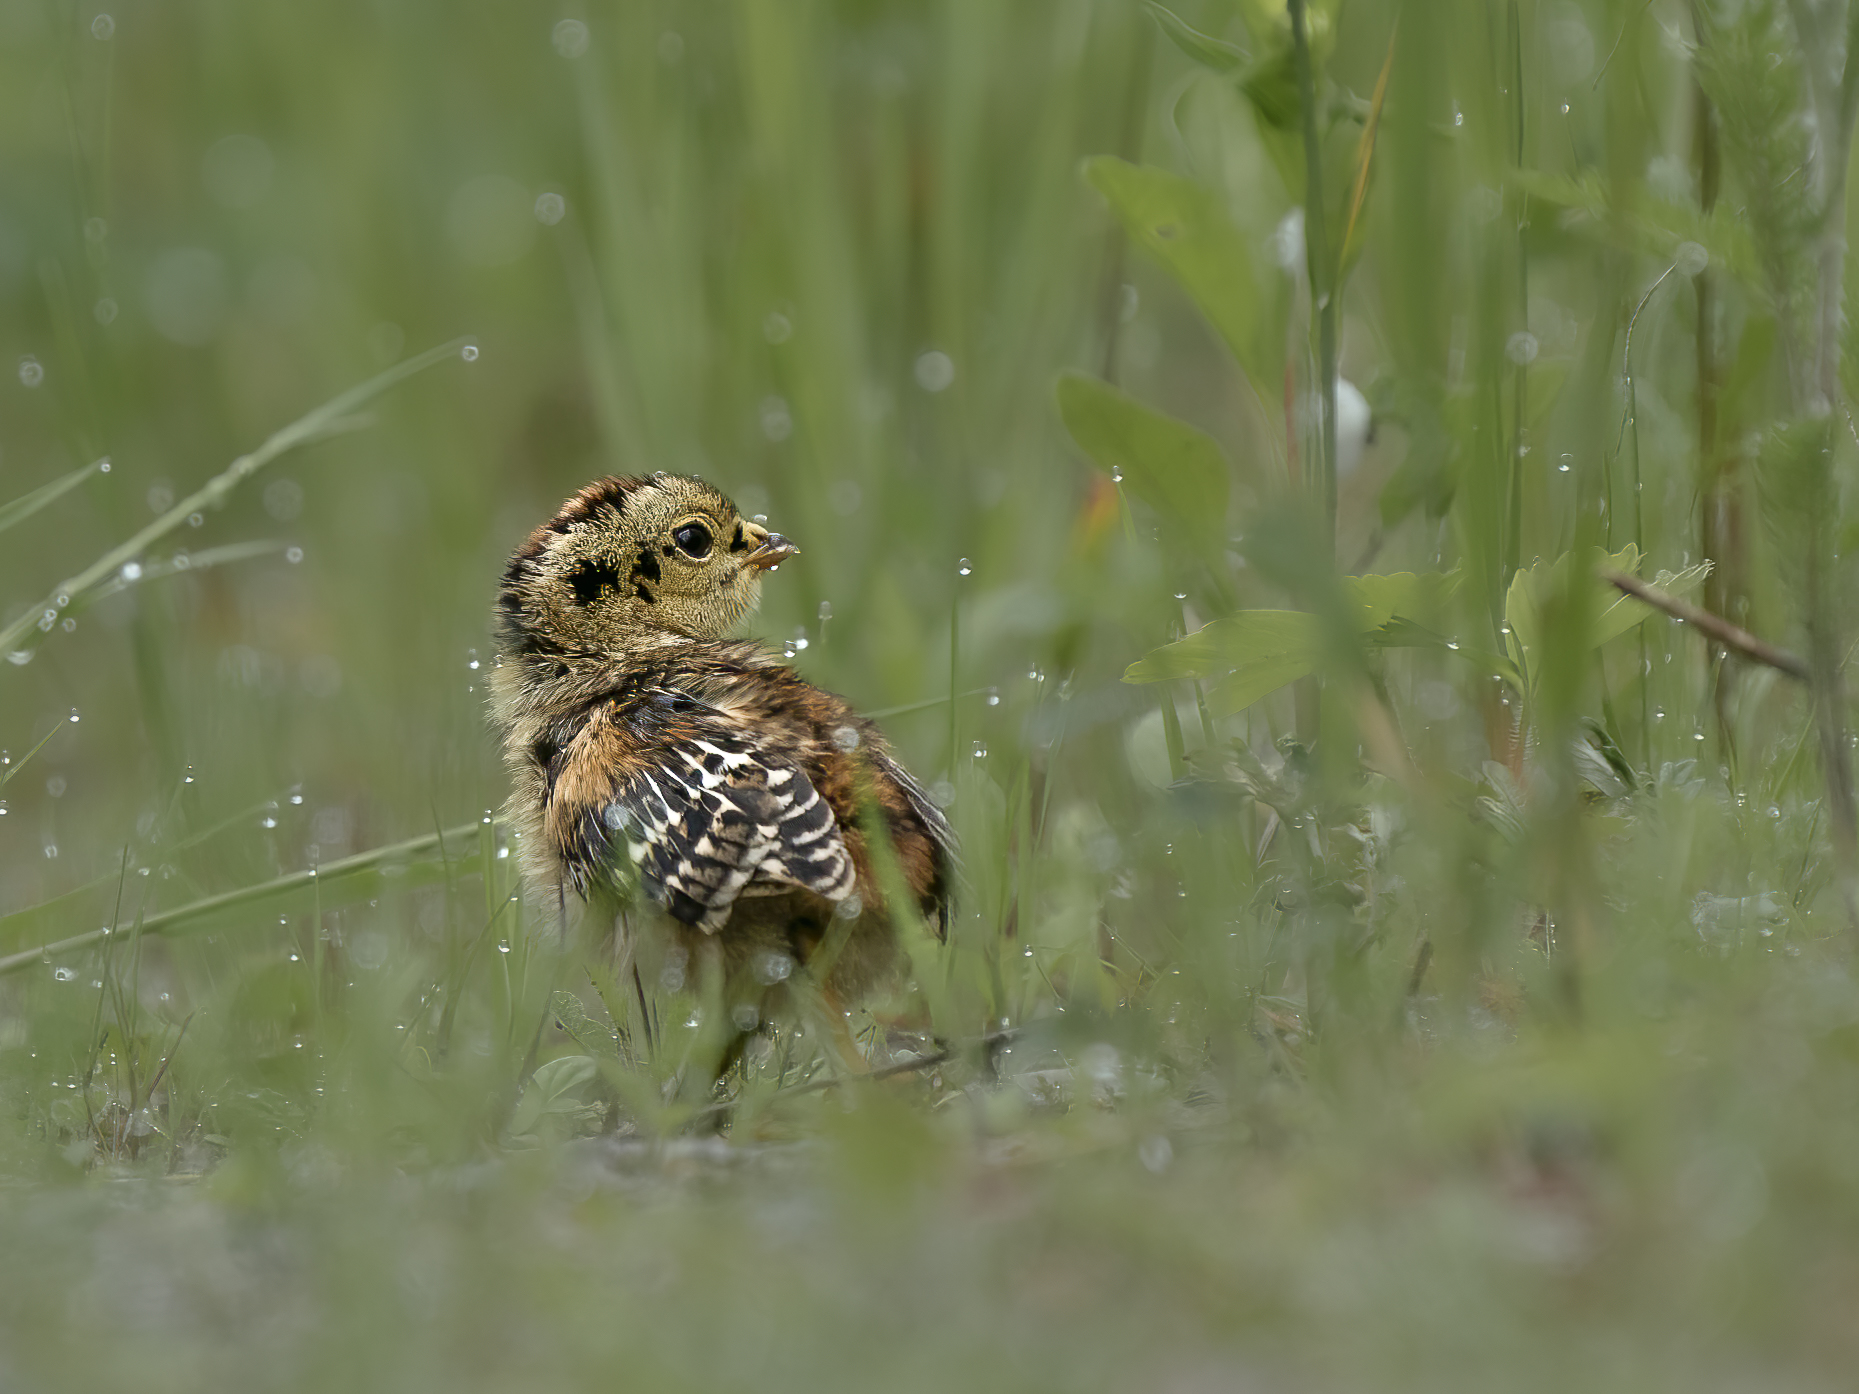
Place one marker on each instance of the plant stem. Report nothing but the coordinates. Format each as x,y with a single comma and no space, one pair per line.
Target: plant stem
1322,269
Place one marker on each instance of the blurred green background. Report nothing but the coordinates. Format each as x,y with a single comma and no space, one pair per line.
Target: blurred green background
1448,985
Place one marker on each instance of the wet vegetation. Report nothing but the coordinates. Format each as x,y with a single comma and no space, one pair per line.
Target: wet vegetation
1349,505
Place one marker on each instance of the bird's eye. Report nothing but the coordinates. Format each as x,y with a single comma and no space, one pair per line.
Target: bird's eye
693,540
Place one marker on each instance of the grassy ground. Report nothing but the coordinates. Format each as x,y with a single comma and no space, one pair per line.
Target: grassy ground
1436,979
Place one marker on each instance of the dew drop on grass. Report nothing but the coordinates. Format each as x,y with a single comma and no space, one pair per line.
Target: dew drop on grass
469,353
471,659
293,555
503,946
962,568
994,696
934,371
103,29
31,371
74,716
131,572
570,38
981,751
550,209
64,975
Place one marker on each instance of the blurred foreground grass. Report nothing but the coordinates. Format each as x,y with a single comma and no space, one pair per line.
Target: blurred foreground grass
1436,978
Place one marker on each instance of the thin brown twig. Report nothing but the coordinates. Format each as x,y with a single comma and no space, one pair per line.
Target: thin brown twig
1732,636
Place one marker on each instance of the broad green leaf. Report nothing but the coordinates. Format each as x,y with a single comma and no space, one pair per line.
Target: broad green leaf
1175,469
1217,54
551,1091
1614,612
1182,225
26,505
1219,647
1253,653
1256,652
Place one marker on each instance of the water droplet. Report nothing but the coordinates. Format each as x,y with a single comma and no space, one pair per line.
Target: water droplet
51,851
1521,348
551,208
800,640
73,718
55,786
1658,713
1116,474
471,659
570,38
962,568
981,751
503,946
994,696
934,370
293,555
469,353
194,520
1034,675
180,561
103,28
64,975
1453,644
1181,595
826,611
69,625
104,311
1565,108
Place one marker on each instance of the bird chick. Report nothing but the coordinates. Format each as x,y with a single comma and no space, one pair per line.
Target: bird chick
649,751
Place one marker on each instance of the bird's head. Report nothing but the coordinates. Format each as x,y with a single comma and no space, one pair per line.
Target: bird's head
632,559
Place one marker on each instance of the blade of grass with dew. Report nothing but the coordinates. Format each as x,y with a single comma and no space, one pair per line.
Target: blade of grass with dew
334,417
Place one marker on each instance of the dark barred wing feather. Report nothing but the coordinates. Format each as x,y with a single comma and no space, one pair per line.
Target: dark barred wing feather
713,816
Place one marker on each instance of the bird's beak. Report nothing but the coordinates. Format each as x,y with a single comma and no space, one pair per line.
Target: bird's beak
773,549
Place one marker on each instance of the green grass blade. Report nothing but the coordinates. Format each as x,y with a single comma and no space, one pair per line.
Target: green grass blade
26,505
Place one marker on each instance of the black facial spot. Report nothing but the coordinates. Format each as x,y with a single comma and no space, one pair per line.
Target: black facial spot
543,752
669,549
646,566
644,594
591,578
694,540
739,543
